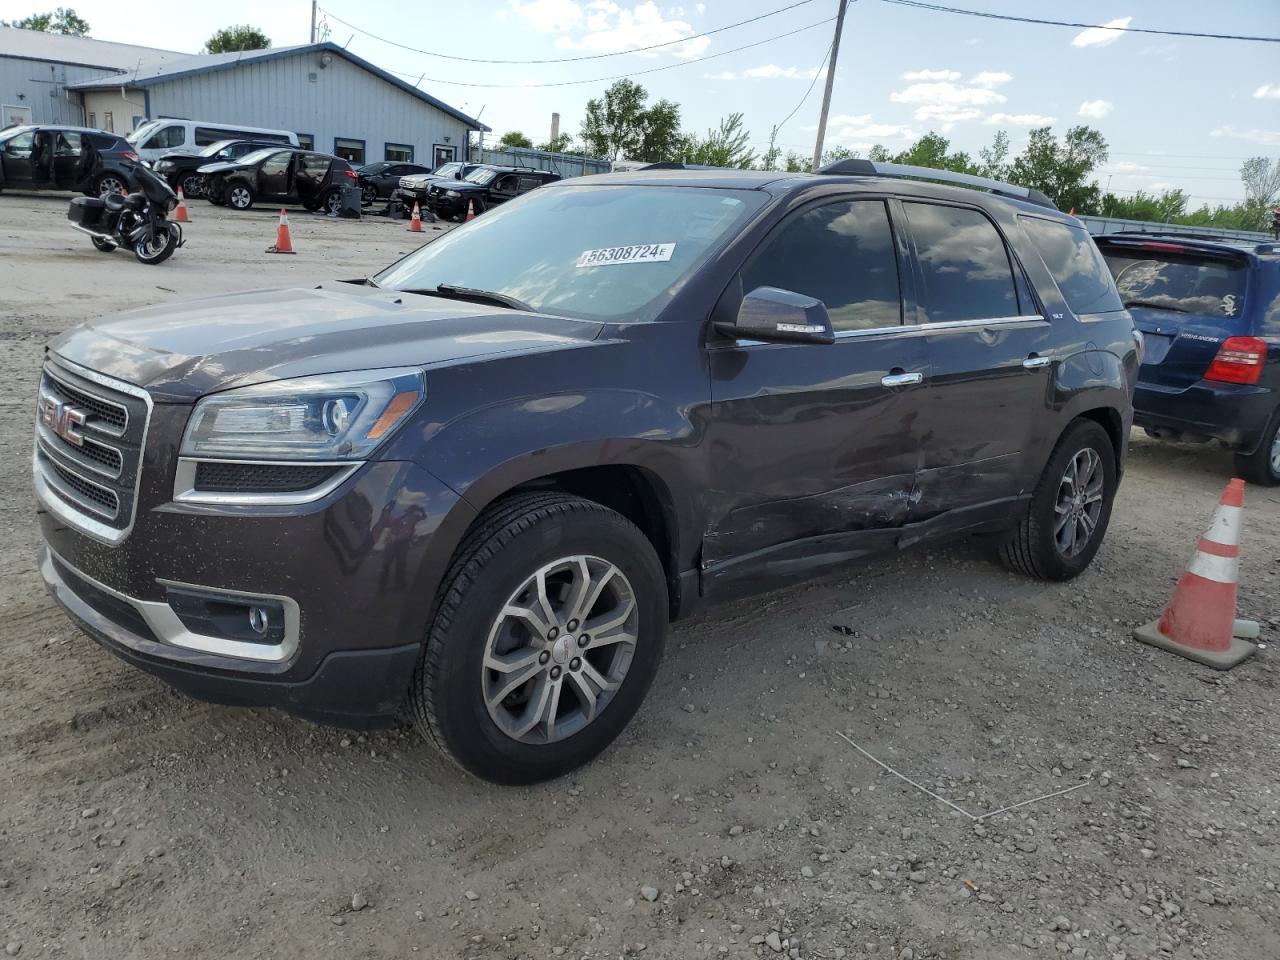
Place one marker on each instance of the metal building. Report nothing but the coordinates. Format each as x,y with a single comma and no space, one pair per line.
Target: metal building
335,101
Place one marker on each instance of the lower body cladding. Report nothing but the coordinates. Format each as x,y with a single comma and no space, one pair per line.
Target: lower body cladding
320,611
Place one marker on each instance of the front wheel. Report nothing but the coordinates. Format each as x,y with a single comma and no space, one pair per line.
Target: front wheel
239,196
1070,507
548,631
157,247
1263,465
105,246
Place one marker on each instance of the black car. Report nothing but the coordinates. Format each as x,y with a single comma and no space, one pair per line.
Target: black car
279,176
93,162
183,169
1209,309
475,489
482,188
413,188
379,180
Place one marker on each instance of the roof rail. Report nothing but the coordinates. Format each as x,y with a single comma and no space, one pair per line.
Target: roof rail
857,167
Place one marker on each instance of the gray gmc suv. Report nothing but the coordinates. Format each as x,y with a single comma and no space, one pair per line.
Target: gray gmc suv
474,489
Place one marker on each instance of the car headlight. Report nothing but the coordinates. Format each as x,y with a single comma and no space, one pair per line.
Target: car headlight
452,193
341,416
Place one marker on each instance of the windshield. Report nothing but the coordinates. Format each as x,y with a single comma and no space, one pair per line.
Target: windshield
481,175
601,252
9,134
447,169
212,149
1181,283
257,155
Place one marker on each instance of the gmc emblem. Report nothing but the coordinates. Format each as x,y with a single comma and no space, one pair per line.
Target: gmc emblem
62,419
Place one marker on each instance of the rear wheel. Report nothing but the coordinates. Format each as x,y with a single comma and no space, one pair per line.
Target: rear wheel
192,185
106,246
239,196
548,632
368,194
1070,507
111,183
332,203
1263,465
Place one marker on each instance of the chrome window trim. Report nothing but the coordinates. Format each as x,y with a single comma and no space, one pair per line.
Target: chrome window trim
111,536
166,625
947,325
184,482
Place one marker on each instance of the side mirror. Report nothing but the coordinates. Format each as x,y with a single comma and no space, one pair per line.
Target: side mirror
780,316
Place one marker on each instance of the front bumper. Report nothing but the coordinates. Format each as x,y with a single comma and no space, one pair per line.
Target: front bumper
1235,414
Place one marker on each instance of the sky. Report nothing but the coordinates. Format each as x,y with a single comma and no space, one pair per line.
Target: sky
1176,111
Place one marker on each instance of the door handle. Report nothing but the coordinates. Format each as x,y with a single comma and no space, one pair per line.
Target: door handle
901,379
1033,362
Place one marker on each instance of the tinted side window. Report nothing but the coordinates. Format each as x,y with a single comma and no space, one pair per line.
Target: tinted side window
166,137
315,164
963,264
276,163
841,253
1075,265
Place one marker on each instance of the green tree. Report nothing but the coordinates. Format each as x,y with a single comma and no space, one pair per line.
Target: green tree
994,158
1061,169
63,20
237,37
514,138
931,151
619,126
1165,207
563,143
725,146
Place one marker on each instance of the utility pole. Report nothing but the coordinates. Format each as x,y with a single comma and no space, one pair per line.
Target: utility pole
831,79
313,21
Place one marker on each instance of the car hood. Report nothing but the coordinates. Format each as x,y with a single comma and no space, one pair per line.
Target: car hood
421,179
222,166
182,351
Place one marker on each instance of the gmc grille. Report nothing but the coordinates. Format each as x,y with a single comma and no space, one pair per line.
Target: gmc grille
89,440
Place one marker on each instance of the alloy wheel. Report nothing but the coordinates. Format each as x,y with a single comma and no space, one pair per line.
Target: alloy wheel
111,185
1275,454
559,649
1079,503
239,197
333,203
192,185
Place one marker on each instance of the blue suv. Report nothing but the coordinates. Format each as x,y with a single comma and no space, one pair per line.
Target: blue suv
1209,309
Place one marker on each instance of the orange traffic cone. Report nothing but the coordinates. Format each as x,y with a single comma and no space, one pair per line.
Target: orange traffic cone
284,243
415,222
180,214
471,212
1200,622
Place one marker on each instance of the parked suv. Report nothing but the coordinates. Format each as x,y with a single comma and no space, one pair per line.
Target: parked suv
412,189
483,188
1209,309
276,176
379,180
475,488
183,169
89,161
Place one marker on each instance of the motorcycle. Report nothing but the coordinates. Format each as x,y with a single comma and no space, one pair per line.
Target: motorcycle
136,220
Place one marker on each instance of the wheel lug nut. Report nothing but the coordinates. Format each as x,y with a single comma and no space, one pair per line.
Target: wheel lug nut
575,663
543,657
584,640
572,625
553,633
555,673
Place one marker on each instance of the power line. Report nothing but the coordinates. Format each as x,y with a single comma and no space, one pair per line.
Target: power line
618,76
591,56
936,8
812,84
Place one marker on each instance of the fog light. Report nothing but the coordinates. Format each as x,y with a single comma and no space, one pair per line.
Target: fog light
259,620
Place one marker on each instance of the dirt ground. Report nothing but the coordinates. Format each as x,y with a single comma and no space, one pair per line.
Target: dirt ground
729,820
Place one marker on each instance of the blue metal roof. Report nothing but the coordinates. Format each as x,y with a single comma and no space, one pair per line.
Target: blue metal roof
192,66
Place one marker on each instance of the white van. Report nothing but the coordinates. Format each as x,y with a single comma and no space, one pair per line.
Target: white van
153,139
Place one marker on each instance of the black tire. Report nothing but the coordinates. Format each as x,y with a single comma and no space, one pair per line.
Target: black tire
192,185
105,246
368,194
331,202
144,253
1032,547
508,543
110,183
1263,465
238,195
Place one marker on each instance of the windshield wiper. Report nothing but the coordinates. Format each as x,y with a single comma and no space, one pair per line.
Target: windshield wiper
1154,306
477,295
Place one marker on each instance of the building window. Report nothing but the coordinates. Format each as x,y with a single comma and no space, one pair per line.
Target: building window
93,119
107,123
399,152
349,150
307,141
443,154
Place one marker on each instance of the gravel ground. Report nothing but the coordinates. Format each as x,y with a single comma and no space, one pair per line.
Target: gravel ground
729,820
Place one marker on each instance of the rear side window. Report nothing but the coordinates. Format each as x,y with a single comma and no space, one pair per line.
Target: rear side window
166,137
1075,265
964,265
1179,282
841,253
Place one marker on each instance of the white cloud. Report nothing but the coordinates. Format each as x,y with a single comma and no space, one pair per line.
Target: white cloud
1019,119
847,120
1096,108
1101,36
1268,138
932,75
1124,166
870,131
947,93
606,27
990,78
1268,91
946,116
